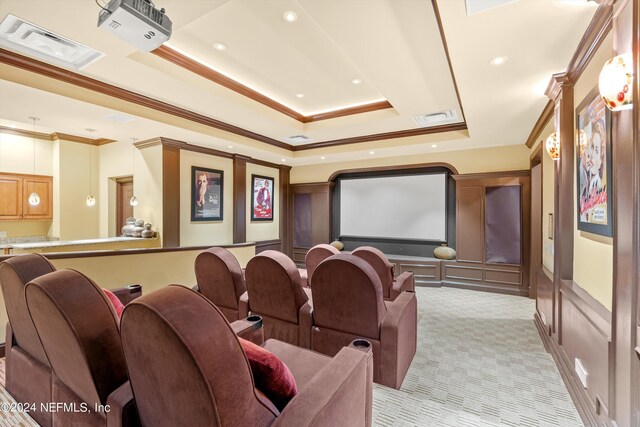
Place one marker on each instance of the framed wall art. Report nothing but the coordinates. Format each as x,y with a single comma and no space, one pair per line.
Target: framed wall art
593,166
262,191
206,194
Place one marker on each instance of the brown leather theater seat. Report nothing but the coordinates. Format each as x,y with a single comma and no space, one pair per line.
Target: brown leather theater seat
203,377
316,255
348,304
391,287
220,279
27,369
275,293
78,328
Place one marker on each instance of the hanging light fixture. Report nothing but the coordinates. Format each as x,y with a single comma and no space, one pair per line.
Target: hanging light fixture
553,145
34,197
90,199
615,82
134,200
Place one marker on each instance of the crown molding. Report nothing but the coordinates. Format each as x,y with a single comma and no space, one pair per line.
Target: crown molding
544,118
55,136
181,60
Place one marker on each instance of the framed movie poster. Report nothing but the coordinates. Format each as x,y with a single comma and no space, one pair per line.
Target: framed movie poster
593,166
206,194
262,193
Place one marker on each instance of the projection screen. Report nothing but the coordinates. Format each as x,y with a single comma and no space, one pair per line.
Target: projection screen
394,207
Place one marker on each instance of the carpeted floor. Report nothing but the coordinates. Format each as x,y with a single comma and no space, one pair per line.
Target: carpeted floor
480,362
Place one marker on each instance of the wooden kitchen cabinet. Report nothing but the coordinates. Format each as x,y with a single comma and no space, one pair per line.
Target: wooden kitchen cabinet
14,196
10,197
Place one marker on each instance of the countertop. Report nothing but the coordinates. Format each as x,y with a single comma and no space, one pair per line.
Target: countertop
56,243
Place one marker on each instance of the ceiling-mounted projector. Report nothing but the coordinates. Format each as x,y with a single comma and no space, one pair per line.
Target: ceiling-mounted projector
137,22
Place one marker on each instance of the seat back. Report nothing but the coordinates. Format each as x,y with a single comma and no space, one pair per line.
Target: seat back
378,260
273,283
316,255
78,328
202,376
347,296
219,278
15,273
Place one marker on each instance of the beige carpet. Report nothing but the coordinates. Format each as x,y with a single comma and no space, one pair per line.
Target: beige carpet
480,362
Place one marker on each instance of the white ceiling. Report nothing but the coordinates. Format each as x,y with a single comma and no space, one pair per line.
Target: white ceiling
393,46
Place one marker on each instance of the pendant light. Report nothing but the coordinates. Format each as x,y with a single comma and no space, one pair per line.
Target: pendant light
134,200
90,199
34,197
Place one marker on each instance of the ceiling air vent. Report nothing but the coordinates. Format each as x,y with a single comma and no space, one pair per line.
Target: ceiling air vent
426,120
25,37
298,139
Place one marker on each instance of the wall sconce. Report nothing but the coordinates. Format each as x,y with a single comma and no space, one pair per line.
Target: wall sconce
553,146
615,82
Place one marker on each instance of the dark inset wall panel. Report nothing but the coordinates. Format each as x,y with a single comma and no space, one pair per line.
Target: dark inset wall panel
302,237
469,226
503,225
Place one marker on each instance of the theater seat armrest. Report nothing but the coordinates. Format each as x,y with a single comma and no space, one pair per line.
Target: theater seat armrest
128,293
305,320
335,396
398,336
243,305
404,282
122,407
250,329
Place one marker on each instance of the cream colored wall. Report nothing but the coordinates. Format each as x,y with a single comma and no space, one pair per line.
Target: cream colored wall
116,161
593,254
548,188
153,271
148,186
514,157
25,228
77,220
263,230
16,156
205,233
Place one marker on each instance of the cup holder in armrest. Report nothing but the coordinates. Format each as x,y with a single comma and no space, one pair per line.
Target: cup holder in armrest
255,320
361,344
134,288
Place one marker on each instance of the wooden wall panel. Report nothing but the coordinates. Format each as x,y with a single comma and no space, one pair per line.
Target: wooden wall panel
470,224
544,298
170,196
586,328
239,199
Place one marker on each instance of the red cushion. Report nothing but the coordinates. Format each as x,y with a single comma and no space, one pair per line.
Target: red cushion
271,375
115,302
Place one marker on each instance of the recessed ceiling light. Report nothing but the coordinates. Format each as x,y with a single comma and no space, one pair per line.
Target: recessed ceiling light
283,160
372,152
356,81
290,16
498,60
299,95
220,46
12,126
322,158
434,145
229,146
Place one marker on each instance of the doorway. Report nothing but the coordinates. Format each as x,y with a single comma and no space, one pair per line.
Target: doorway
124,192
536,221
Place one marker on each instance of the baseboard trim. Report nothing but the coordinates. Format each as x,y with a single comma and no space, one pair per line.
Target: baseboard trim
482,286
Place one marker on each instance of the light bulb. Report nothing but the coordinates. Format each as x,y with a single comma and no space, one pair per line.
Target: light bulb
91,200
133,201
34,199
